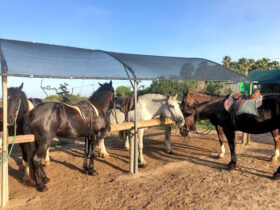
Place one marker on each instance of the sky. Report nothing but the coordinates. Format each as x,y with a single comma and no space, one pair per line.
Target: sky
198,28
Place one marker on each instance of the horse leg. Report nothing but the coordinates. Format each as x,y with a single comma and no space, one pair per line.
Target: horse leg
142,161
40,176
87,145
126,136
91,170
276,139
26,176
167,139
103,151
276,175
220,133
231,141
47,158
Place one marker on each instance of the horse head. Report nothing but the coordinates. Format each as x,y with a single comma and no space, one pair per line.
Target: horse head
104,96
173,110
190,119
187,101
16,99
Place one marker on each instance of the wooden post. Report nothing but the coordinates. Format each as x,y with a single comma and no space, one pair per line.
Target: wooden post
136,150
4,168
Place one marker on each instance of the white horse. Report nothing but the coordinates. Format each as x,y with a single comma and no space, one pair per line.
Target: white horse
149,106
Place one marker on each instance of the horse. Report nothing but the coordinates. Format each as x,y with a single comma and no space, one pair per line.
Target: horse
191,99
17,99
268,120
53,119
149,106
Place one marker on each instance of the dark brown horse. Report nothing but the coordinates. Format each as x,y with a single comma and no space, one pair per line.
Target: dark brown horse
49,120
267,121
191,99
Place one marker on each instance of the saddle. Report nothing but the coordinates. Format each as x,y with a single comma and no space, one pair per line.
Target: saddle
234,103
86,110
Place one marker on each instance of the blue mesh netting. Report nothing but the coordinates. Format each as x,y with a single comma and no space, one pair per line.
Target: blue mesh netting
43,60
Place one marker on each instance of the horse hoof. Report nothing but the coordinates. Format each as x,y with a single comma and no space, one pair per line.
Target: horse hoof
46,180
47,163
93,173
41,188
231,166
274,159
170,152
106,156
276,176
219,157
142,165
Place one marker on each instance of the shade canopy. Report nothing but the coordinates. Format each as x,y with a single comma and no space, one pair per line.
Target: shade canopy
29,59
265,76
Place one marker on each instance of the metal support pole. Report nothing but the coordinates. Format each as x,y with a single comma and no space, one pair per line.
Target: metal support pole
136,150
4,168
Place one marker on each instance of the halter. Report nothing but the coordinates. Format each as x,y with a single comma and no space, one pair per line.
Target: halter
170,110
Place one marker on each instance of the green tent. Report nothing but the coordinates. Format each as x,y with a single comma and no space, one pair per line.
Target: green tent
265,76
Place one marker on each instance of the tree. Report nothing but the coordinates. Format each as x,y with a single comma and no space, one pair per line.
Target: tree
172,87
123,90
227,61
62,90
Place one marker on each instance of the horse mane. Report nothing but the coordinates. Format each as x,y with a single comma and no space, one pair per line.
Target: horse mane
207,102
99,97
205,93
24,103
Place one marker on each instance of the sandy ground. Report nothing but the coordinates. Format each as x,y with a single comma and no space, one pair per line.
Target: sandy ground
190,178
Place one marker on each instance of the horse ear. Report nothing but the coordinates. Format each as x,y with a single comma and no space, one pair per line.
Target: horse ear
187,92
20,87
99,83
175,97
111,82
167,95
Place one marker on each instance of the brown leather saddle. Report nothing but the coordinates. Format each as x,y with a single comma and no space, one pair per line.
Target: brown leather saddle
235,101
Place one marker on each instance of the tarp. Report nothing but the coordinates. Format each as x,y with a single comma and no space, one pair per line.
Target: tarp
29,59
265,76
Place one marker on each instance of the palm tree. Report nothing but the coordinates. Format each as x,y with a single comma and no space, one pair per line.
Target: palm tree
227,61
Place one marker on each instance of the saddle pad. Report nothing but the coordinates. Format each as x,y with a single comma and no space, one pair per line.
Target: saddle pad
30,105
79,110
250,106
76,108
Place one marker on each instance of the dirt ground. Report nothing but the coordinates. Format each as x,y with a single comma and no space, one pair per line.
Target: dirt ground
190,178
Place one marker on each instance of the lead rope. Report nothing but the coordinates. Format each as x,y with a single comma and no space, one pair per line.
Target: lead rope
6,155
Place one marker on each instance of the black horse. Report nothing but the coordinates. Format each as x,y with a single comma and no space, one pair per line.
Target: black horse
49,120
17,100
18,103
267,121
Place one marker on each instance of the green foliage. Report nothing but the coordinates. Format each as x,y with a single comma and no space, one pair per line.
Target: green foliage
215,88
124,91
55,98
169,86
62,90
245,65
52,98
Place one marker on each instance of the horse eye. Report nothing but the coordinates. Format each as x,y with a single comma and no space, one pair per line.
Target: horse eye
171,106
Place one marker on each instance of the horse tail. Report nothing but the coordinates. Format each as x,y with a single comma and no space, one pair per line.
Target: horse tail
29,148
26,124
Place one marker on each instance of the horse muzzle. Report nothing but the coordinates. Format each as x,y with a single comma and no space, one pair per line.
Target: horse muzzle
184,131
180,122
